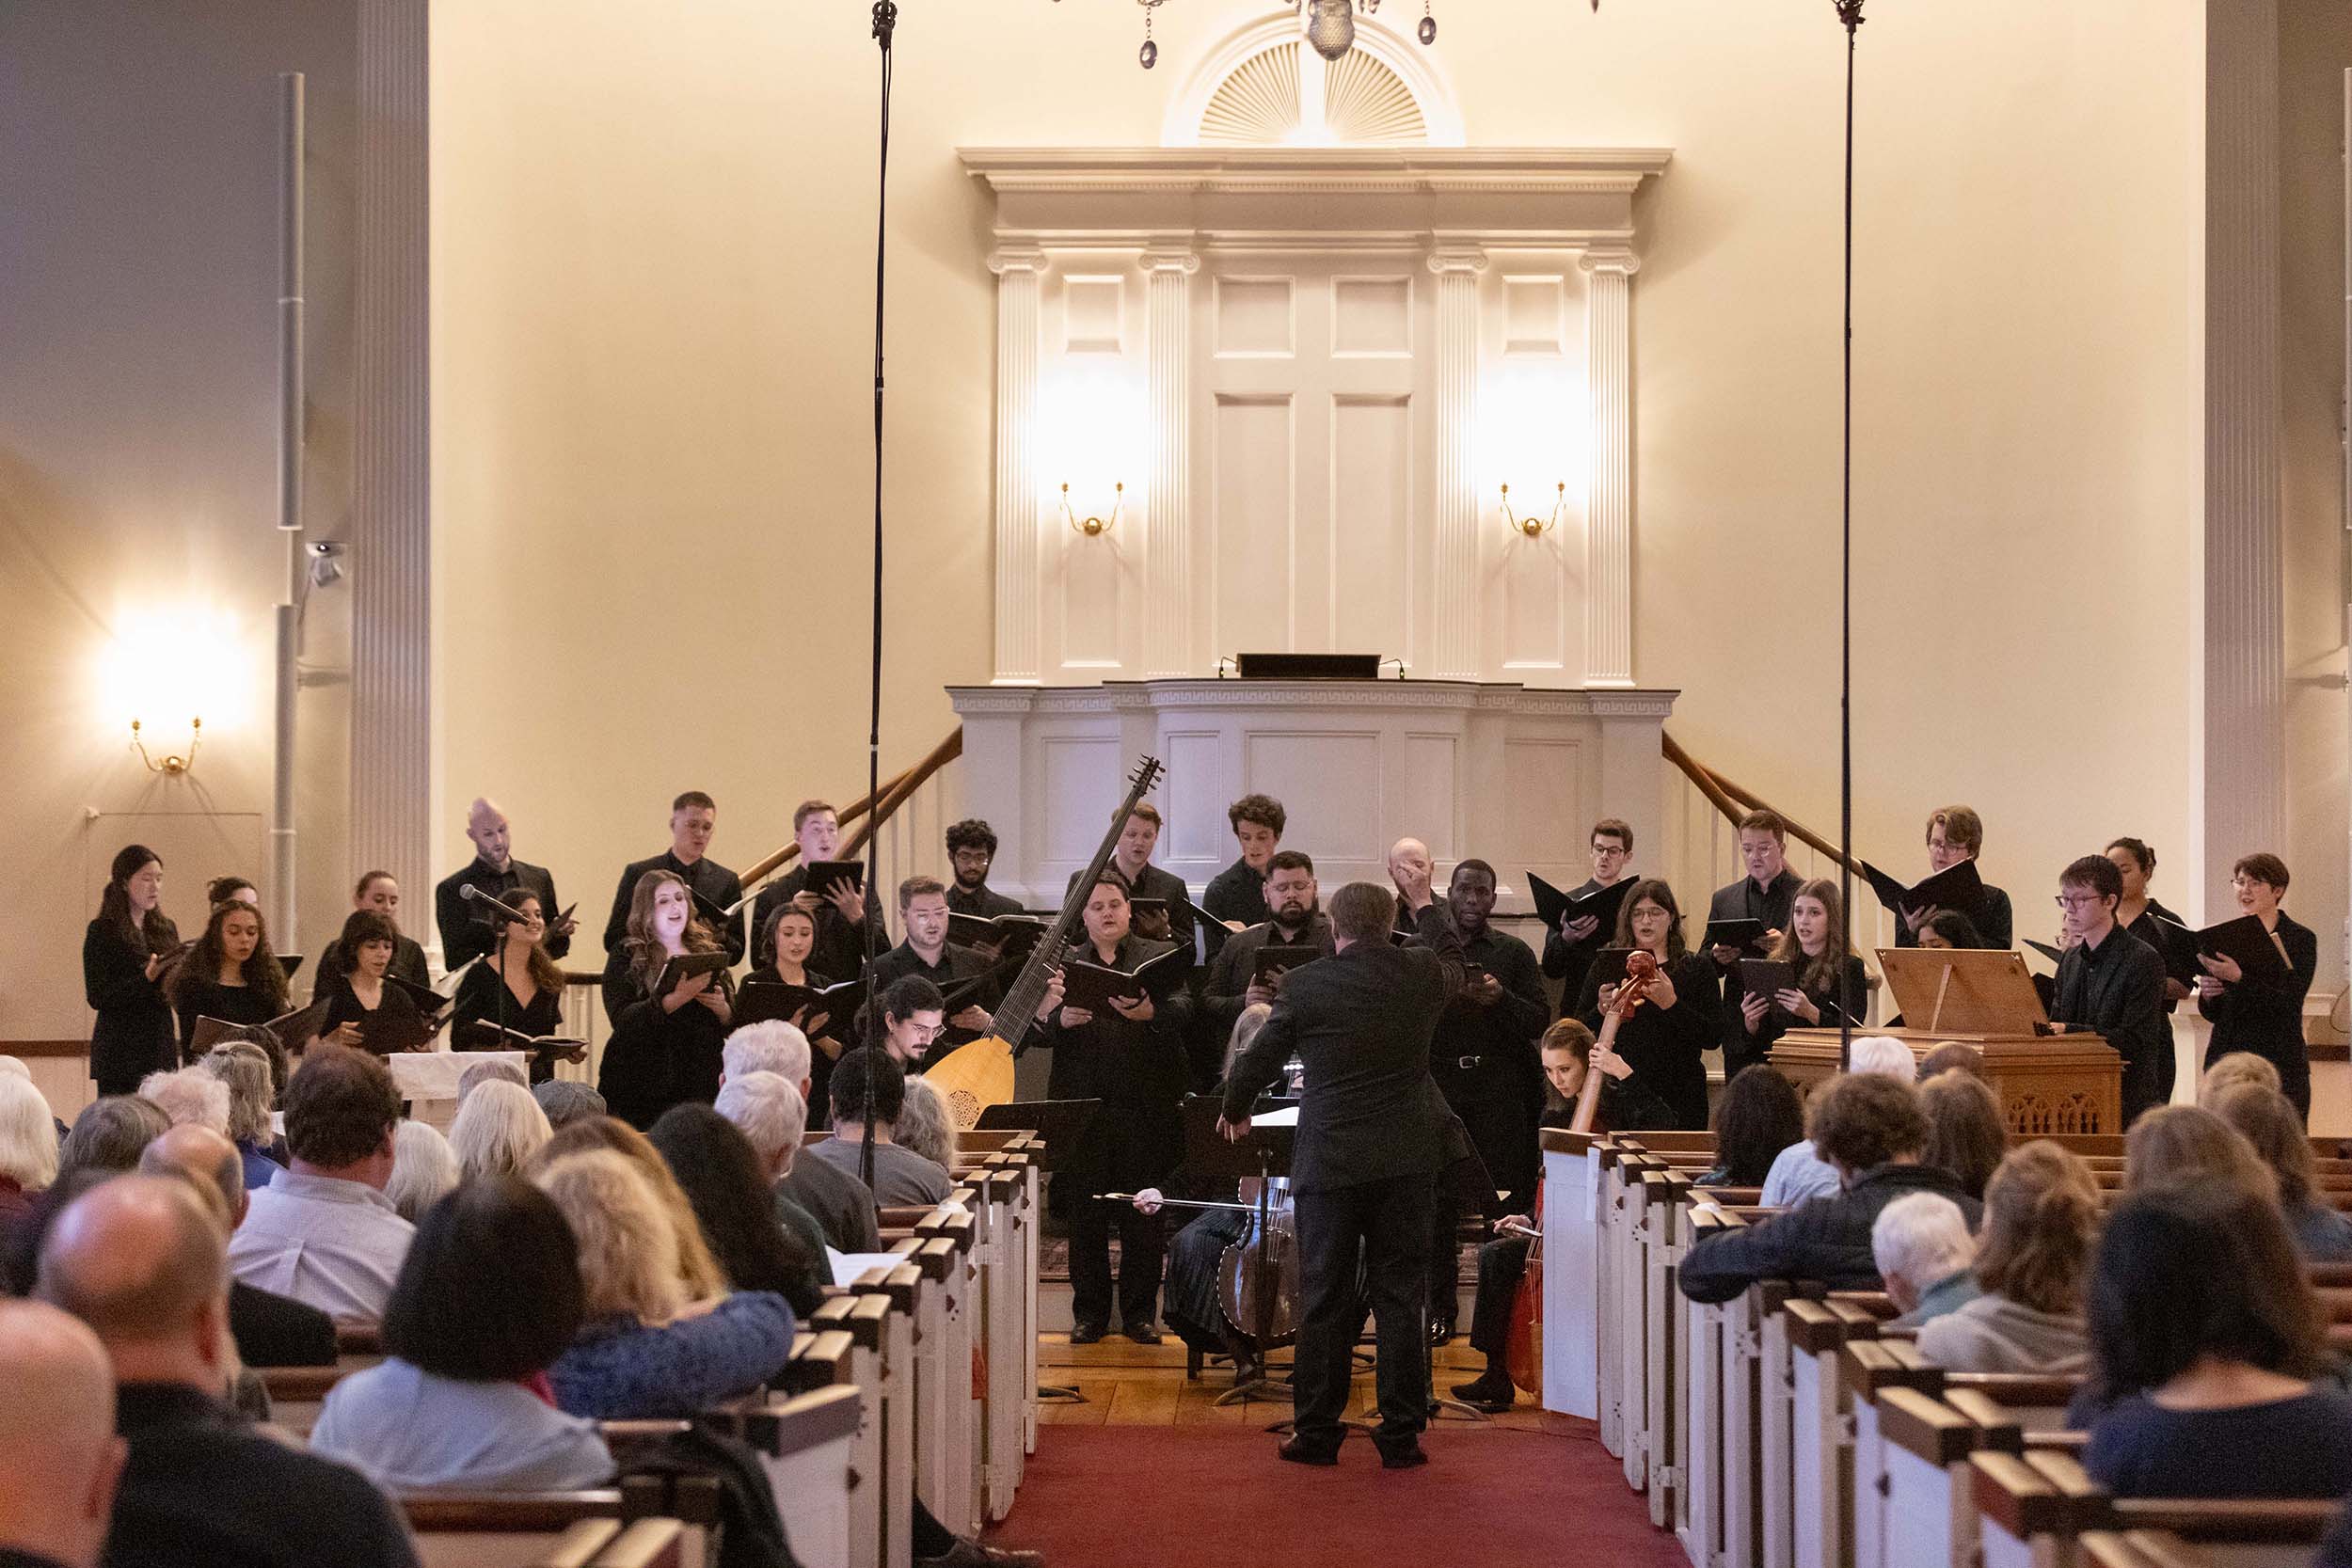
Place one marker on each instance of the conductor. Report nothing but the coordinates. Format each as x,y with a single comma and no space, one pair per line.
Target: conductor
1365,1161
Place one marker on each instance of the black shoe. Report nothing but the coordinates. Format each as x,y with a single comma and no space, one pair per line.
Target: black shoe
1145,1335
1488,1393
1088,1334
1403,1458
1299,1452
1440,1330
967,1553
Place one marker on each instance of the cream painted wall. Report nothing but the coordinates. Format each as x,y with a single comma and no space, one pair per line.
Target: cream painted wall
138,297
651,287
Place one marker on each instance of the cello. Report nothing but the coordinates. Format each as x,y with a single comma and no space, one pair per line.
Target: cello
1524,1347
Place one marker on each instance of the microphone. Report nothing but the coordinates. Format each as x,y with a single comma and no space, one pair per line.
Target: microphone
473,894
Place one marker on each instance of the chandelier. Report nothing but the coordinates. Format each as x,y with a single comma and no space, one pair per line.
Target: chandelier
1330,25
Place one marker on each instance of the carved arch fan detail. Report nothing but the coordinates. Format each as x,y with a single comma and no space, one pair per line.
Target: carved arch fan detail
1286,96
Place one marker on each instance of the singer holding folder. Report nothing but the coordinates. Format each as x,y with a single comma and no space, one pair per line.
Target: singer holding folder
693,819
848,925
125,954
365,1009
2261,1009
666,1039
1586,926
517,986
1956,833
231,975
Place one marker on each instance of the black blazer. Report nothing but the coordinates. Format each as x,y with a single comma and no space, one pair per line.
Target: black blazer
1362,1022
2265,1016
465,926
1227,992
133,1036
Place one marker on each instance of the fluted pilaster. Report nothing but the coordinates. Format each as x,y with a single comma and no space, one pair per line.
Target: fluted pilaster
1168,528
1609,501
1454,634
1017,271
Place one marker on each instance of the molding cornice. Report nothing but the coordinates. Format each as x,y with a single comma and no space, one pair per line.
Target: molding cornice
1331,170
1466,696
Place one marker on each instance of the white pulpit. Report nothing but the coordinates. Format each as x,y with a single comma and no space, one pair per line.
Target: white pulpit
1511,774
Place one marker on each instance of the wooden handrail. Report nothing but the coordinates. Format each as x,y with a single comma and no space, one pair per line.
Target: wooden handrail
855,809
897,793
1729,799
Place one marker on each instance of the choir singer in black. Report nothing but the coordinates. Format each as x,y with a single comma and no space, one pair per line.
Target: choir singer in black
464,926
693,818
849,925
1370,1143
1569,950
1234,984
971,850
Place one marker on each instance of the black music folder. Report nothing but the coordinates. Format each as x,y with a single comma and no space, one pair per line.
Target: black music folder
1091,986
1958,888
756,1001
1553,906
685,966
824,876
2244,938
1727,932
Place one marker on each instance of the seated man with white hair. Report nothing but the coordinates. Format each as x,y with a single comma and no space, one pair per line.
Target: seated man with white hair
838,1201
1799,1172
191,1096
770,1114
1925,1256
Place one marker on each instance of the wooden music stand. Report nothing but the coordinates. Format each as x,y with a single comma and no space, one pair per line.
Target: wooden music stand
1949,992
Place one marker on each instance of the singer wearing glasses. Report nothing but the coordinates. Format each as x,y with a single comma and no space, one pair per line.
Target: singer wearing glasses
2111,984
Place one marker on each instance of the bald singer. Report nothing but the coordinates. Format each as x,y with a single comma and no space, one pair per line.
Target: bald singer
464,924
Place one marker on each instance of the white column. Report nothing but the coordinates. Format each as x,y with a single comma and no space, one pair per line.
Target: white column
2245,661
1017,270
1168,526
391,731
1455,634
1609,498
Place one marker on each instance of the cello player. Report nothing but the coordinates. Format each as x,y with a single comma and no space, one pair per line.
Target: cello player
1626,1107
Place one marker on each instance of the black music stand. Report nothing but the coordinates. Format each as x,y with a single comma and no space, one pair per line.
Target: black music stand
1060,1123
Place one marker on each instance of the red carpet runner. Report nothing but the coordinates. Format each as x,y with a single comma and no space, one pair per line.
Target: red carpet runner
1184,1496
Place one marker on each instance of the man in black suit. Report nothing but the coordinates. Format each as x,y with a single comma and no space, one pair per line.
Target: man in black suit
850,933
693,817
1233,984
1371,1141
1765,894
1131,858
466,931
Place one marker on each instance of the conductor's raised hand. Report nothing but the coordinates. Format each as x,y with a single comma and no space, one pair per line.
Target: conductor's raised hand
1411,873
1134,1009
1233,1129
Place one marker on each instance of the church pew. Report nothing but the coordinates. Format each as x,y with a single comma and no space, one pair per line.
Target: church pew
1574,1282
656,1521
1711,1383
855,1361
805,1443
903,1289
296,1393
1003,1361
952,1235
2042,1510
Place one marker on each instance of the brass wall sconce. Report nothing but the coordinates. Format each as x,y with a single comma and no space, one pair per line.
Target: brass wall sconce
171,763
1532,525
1091,527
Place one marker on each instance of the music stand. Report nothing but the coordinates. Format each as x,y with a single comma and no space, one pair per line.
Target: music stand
1263,1152
1949,992
1059,1124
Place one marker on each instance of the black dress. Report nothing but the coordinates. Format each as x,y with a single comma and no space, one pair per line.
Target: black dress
1664,1048
1137,1072
193,999
836,1029
2153,929
479,998
344,1007
655,1058
133,1034
1855,1003
2264,1015
408,963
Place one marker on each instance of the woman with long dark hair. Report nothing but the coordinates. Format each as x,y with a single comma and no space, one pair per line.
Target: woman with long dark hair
735,1208
229,975
126,953
1666,1038
1831,983
518,964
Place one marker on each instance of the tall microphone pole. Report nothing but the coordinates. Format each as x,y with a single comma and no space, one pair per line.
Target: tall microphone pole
1850,16
885,24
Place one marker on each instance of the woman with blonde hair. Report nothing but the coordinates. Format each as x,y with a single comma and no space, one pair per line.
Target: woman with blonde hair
28,1145
498,1129
2033,1254
664,1050
425,1170
1964,1132
244,1067
2268,1120
697,1267
2175,1146
2238,1067
648,1349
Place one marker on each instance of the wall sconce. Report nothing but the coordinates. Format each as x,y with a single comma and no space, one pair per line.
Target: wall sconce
1091,527
1530,524
172,763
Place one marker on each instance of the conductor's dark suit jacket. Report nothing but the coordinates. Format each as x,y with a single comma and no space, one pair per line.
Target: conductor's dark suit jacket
1361,1021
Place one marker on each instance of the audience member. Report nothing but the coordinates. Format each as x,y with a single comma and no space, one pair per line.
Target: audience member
840,1204
566,1100
244,1067
494,1069
498,1129
489,1297
697,1268
1799,1172
2041,1221
869,1092
2268,1122
269,1330
1923,1250
2237,1067
770,1114
323,1231
1871,1128
727,1181
925,1126
1757,1116
60,1457
28,1148
646,1349
2206,1339
771,1045
110,1134
1965,1135
140,1261
1952,1056
188,1096
2186,1144
424,1169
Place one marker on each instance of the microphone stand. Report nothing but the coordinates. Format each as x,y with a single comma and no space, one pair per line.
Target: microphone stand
885,24
1850,16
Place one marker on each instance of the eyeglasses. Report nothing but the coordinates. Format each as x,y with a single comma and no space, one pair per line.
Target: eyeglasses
2078,900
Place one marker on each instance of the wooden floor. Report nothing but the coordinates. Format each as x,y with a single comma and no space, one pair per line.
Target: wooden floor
1124,1384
